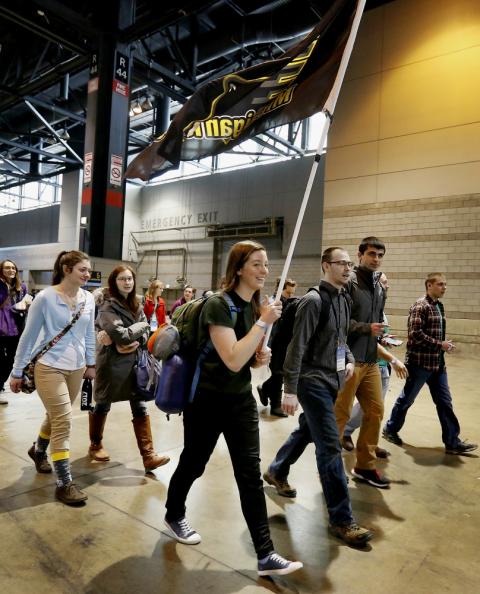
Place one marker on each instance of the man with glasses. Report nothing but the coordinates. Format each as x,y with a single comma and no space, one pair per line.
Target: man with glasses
317,364
368,301
425,361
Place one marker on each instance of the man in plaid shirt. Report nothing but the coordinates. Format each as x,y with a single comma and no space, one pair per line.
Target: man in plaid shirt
425,361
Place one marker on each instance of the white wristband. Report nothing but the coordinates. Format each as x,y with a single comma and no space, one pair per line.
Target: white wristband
262,324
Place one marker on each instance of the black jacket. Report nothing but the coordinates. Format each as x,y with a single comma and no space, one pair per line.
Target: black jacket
368,302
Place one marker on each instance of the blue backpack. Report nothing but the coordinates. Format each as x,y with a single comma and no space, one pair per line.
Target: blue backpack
181,372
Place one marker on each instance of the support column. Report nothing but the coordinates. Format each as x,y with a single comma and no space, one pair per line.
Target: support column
103,196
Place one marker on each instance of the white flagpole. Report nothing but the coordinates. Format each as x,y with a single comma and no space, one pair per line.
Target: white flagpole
328,110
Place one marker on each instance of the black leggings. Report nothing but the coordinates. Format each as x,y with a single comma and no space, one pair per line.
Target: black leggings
138,407
8,346
236,416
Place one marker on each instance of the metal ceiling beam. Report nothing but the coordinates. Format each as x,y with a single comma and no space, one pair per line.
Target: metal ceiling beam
166,74
60,110
32,149
146,26
59,10
271,147
281,140
45,81
41,31
53,131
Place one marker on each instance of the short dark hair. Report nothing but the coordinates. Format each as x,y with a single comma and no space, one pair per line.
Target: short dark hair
327,254
432,277
372,242
288,283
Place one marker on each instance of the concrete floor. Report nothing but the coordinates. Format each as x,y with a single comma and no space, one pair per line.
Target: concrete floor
426,526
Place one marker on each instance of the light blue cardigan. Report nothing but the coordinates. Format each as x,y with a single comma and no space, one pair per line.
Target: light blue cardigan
47,317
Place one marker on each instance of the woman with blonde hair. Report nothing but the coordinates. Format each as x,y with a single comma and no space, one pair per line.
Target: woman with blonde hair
61,319
224,403
154,308
14,302
123,329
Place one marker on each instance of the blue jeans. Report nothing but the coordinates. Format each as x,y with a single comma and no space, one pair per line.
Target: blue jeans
318,424
357,413
437,381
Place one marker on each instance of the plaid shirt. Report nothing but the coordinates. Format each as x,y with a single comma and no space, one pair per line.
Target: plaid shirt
426,331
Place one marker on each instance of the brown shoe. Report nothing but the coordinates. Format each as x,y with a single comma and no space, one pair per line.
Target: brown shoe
352,534
40,460
282,486
70,494
381,453
347,443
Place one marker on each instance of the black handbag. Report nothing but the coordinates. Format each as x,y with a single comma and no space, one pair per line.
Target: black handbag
28,378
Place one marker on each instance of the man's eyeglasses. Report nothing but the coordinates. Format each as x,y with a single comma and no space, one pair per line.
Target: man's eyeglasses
343,263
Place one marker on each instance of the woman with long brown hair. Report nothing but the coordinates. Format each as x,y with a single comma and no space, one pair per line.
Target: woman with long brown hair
14,302
62,318
123,329
224,403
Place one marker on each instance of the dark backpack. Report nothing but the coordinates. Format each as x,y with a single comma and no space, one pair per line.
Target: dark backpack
181,372
282,330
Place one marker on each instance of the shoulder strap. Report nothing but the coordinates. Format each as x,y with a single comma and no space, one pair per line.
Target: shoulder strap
61,334
234,310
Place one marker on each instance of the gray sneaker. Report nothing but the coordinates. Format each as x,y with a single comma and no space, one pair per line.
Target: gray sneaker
275,564
182,531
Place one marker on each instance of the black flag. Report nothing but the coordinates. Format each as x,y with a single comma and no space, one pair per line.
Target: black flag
228,110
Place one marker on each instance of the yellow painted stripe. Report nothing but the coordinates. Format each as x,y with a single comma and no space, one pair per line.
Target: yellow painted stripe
60,456
44,435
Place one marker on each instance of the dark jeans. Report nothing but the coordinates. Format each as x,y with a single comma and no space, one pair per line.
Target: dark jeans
236,416
318,424
8,346
138,408
272,388
437,381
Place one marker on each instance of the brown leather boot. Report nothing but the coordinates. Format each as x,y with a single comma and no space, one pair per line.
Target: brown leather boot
70,494
143,433
96,423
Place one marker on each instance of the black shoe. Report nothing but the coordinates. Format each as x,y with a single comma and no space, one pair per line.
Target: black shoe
372,477
277,411
392,437
263,397
347,443
462,447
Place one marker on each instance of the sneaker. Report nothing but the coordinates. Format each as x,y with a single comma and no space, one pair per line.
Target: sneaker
282,486
3,398
277,411
182,531
381,453
263,397
462,447
274,564
392,437
40,460
372,477
70,494
347,443
352,534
